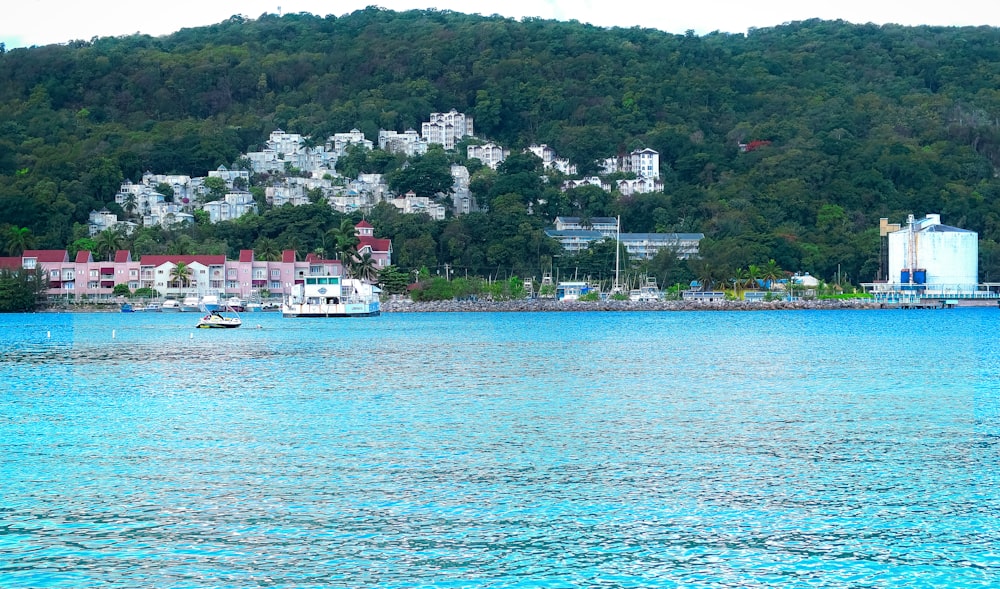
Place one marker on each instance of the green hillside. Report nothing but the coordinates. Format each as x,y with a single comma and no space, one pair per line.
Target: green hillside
862,121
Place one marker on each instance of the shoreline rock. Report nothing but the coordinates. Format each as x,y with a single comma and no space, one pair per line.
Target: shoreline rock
546,305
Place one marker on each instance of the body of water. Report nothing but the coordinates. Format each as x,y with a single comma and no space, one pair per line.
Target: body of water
688,449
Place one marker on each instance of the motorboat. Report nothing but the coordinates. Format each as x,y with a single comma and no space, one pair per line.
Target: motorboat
215,319
191,304
170,306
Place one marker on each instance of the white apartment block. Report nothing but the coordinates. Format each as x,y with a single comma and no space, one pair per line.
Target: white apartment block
587,181
232,206
446,128
408,143
284,150
460,194
410,203
338,142
551,161
105,219
230,175
286,194
639,185
491,154
644,163
167,214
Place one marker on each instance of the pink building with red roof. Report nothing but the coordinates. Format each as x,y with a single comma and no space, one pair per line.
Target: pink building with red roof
380,249
245,277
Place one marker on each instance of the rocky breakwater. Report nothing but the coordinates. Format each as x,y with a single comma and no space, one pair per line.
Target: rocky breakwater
530,305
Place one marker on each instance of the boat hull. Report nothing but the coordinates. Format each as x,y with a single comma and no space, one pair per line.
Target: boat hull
219,325
370,309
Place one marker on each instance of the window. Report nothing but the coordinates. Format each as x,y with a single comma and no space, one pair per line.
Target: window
29,263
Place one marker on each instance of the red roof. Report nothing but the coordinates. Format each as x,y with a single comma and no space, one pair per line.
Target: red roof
10,263
376,244
203,260
47,256
83,257
288,256
122,256
364,224
246,255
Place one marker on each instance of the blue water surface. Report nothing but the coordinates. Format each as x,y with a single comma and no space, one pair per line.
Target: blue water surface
633,449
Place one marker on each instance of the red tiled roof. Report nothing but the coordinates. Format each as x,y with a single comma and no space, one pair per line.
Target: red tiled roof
376,244
288,256
122,256
203,260
364,224
13,263
246,255
83,256
50,256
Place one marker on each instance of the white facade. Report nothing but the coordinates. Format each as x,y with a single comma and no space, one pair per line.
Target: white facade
233,206
644,163
446,128
934,258
551,161
339,141
412,204
408,143
491,154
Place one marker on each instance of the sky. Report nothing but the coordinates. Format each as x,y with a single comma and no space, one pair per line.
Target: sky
42,22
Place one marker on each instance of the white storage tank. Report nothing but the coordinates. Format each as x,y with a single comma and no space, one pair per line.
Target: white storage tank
928,257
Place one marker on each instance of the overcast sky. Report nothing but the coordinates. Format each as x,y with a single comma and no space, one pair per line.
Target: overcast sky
41,22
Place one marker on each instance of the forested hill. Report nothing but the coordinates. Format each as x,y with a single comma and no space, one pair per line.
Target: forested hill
862,121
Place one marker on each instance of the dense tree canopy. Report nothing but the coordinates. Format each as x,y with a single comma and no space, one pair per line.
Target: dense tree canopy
841,123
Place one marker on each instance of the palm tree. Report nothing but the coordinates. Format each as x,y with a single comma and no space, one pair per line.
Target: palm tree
363,267
740,280
753,275
19,239
772,272
266,249
345,239
181,274
109,241
130,204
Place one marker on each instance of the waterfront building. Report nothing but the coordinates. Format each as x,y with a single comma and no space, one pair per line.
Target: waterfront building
84,278
575,236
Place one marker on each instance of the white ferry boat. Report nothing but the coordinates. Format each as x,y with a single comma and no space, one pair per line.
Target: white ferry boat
332,296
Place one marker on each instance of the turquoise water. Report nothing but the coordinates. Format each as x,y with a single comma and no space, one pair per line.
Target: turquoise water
770,449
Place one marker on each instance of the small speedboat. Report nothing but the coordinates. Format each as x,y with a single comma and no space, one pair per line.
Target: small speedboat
217,319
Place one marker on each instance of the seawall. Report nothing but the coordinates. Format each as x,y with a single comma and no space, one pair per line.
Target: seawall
407,306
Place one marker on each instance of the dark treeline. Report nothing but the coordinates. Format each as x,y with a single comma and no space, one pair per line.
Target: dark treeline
863,121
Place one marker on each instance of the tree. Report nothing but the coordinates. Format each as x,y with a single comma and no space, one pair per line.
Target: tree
109,241
19,239
391,280
22,290
363,267
216,188
265,249
121,289
345,239
772,272
180,275
130,204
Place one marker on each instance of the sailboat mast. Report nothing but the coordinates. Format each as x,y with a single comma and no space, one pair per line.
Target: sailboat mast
618,248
